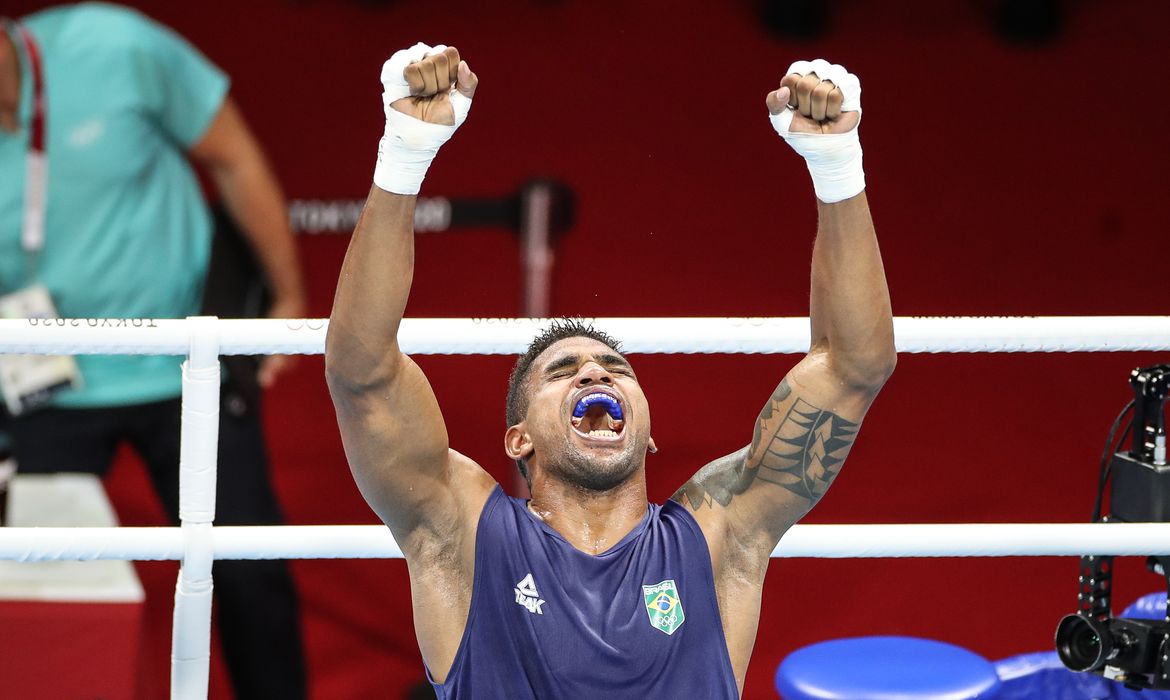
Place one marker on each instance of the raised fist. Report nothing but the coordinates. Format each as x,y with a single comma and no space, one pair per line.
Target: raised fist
426,96
816,111
420,82
823,98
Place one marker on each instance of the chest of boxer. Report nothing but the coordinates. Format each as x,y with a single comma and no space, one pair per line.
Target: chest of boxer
548,620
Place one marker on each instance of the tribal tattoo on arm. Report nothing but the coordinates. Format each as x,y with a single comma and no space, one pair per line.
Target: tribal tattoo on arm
798,447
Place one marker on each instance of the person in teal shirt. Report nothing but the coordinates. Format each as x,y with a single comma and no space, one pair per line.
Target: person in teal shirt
128,105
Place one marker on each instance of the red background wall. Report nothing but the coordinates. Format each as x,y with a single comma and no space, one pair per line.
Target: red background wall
1003,180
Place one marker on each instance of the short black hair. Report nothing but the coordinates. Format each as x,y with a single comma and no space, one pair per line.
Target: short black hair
558,330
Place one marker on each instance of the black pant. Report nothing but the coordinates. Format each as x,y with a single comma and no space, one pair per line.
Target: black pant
258,612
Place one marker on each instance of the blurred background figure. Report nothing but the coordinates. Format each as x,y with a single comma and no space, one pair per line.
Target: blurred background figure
102,112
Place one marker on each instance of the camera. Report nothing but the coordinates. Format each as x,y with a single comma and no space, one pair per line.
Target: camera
1133,647
1132,651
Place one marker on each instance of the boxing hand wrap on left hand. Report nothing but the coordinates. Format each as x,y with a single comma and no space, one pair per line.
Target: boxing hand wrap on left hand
834,160
409,145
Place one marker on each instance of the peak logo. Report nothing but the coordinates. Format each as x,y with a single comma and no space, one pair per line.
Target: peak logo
528,597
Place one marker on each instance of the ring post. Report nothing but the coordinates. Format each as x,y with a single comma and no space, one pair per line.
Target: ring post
199,442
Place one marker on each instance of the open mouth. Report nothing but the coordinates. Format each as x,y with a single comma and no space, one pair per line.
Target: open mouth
599,415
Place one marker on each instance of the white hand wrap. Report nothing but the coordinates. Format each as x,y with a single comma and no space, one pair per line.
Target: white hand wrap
409,145
834,160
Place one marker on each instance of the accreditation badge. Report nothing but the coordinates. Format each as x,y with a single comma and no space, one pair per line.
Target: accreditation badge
28,381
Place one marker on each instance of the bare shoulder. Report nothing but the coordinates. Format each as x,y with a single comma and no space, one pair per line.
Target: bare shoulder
708,495
447,532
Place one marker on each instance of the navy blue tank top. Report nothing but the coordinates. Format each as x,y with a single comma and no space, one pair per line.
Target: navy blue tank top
549,621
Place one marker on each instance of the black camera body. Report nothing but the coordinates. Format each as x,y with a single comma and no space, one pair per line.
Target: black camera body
1135,652
1130,651
1141,491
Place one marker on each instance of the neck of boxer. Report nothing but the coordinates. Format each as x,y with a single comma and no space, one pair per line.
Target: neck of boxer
591,521
9,84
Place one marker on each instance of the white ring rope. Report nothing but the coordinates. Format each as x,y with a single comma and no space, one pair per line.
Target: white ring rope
376,542
508,336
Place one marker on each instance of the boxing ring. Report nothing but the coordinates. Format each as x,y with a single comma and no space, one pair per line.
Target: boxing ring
196,543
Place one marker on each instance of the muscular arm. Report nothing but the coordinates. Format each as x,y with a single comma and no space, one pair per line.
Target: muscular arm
390,423
804,432
393,431
427,494
745,502
395,440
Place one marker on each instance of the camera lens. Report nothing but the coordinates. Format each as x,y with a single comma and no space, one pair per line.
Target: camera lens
1086,645
1082,644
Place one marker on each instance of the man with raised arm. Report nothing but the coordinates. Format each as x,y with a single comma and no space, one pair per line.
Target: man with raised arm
586,589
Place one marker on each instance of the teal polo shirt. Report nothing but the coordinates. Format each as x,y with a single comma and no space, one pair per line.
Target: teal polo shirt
127,232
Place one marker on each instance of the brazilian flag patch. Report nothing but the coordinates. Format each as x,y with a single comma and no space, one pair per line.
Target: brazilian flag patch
664,606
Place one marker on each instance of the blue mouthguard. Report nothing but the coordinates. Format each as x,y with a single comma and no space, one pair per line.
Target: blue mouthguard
612,407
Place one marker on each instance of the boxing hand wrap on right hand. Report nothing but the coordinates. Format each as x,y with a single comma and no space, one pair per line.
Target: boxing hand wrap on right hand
834,160
409,145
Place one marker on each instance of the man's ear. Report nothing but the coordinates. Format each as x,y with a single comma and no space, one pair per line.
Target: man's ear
652,447
517,443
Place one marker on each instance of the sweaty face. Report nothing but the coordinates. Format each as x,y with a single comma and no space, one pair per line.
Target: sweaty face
587,416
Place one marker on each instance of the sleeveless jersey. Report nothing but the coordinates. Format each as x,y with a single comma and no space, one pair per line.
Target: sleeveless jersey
549,621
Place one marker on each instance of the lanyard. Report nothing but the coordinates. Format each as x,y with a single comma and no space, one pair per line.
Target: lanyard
32,234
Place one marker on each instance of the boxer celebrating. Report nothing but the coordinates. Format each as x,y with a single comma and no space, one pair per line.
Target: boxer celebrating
587,589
